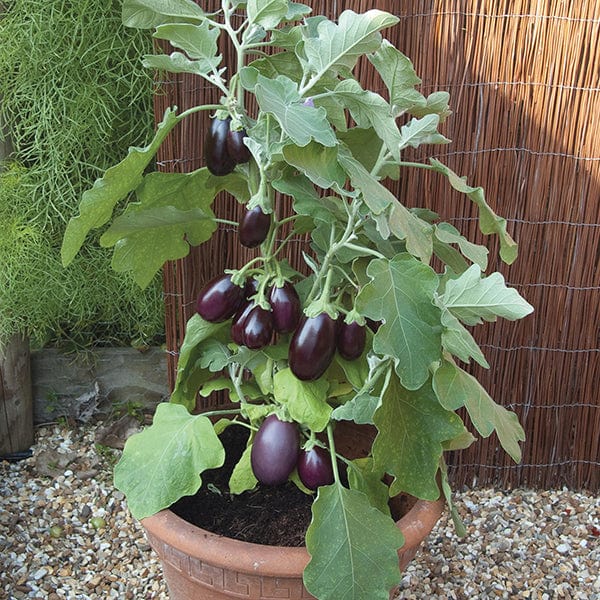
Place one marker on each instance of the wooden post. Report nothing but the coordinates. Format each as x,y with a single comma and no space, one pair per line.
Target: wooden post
16,404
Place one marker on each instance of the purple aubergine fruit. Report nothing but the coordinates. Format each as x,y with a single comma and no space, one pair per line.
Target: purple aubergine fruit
218,161
286,307
312,347
237,323
274,451
257,329
314,467
351,340
254,227
219,299
237,150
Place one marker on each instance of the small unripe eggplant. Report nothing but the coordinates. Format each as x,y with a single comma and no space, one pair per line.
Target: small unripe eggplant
351,339
254,227
314,468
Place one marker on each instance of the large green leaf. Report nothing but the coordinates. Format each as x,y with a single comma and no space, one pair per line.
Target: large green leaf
266,13
280,98
448,234
98,202
164,462
353,547
190,372
401,294
489,222
146,239
473,298
242,478
306,401
146,14
412,427
199,42
338,46
455,388
173,213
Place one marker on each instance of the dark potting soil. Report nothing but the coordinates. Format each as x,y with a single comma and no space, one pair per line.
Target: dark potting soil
274,516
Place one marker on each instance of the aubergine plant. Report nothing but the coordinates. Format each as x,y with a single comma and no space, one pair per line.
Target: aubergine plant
372,335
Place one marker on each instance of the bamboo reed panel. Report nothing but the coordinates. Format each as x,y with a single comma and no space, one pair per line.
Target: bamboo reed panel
524,79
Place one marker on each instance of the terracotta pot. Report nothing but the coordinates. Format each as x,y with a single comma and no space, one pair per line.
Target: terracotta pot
201,565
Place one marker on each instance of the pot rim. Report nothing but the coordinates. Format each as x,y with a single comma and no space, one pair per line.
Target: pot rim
261,559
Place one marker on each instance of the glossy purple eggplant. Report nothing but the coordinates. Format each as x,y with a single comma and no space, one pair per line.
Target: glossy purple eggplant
286,307
257,328
314,467
237,150
216,155
237,324
351,339
312,347
274,452
254,227
219,299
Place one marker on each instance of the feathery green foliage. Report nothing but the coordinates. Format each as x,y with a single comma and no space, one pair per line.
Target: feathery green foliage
73,97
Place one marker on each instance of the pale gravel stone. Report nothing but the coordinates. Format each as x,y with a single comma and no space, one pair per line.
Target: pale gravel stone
519,544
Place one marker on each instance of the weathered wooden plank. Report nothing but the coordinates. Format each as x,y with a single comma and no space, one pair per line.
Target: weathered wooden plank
16,406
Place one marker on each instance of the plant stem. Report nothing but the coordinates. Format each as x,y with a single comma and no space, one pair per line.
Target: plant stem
333,454
217,413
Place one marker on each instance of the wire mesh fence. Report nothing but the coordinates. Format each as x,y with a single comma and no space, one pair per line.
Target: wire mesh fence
524,79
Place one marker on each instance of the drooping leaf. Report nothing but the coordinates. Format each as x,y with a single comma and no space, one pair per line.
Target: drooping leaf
359,409
363,476
401,294
146,14
177,62
164,462
474,252
98,202
457,340
474,299
412,427
302,124
459,526
338,46
306,401
455,388
353,547
242,478
190,374
369,109
489,222
399,76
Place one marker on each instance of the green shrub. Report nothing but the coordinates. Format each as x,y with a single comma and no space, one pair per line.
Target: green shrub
73,97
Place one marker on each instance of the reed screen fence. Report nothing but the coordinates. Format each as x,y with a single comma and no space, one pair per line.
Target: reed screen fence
524,80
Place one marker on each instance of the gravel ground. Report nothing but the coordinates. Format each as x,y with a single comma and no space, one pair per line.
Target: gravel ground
66,533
